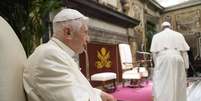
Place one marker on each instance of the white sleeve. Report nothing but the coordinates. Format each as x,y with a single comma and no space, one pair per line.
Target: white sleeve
55,82
154,55
185,58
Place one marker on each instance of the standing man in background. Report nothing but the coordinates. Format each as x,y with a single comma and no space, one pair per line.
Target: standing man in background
52,74
169,50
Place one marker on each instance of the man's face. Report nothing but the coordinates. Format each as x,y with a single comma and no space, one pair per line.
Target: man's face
80,39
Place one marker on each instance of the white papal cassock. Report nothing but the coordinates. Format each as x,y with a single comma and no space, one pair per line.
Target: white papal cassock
53,75
169,50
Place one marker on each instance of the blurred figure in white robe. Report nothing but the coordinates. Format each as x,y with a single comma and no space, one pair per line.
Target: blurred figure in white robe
169,50
194,91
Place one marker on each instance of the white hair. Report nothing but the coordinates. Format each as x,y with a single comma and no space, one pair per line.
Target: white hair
165,24
74,24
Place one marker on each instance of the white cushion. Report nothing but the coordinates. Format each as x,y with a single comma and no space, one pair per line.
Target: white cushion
145,74
103,76
131,74
143,71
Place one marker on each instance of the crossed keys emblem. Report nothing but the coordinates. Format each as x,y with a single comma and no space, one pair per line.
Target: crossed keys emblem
103,59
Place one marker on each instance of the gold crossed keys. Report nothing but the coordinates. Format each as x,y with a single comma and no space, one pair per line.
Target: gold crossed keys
103,59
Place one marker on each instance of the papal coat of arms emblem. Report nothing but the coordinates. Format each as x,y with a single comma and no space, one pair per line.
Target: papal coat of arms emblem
103,59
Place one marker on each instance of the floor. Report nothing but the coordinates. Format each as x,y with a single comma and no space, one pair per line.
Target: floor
137,93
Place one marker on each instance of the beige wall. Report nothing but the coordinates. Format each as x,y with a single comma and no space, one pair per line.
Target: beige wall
185,20
188,22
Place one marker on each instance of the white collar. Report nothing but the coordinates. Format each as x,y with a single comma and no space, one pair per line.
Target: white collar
167,29
63,46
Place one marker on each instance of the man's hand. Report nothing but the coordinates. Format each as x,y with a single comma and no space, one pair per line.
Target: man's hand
107,97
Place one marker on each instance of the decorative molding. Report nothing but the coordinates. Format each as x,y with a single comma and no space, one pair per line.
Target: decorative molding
96,23
104,36
112,3
157,5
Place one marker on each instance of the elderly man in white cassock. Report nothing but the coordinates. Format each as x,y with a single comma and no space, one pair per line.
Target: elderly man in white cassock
52,74
169,50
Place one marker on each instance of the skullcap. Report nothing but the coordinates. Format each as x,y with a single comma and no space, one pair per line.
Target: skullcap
67,15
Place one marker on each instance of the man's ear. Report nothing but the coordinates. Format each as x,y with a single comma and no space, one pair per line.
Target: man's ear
67,32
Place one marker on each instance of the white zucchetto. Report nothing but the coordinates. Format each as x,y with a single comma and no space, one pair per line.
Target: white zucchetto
67,15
